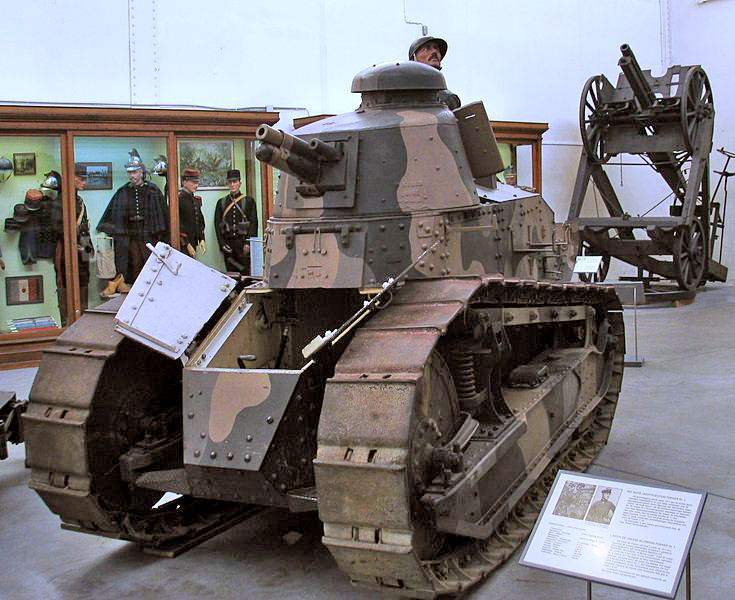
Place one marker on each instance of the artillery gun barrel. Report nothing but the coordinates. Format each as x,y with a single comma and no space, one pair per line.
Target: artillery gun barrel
288,153
633,73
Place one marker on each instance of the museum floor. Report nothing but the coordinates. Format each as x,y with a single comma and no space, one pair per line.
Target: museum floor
674,425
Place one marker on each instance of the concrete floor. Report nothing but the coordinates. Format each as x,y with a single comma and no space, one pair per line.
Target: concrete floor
674,425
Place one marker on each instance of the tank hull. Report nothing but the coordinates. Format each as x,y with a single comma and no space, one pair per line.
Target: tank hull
394,517
413,364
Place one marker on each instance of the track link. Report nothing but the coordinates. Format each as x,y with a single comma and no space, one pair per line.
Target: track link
374,523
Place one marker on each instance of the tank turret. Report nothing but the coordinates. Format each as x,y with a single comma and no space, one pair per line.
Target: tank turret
394,177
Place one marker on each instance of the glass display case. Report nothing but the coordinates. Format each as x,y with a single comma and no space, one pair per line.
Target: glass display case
61,170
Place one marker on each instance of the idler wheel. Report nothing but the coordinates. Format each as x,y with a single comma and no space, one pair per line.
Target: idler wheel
436,420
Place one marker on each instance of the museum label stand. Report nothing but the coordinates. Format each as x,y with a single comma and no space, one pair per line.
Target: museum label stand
618,533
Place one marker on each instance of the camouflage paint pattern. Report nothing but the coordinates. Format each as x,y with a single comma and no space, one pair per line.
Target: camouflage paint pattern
232,415
413,186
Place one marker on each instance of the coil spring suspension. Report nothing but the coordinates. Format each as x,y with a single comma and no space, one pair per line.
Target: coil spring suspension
462,364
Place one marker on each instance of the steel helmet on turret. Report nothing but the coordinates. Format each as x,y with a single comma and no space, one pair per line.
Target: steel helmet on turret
413,48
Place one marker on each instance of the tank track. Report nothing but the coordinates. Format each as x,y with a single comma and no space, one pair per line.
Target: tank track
77,432
379,543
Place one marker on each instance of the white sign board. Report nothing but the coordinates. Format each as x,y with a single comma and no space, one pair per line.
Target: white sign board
615,532
587,264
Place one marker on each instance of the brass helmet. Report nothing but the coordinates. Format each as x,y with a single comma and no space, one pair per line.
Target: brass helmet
135,162
50,185
160,165
443,46
6,168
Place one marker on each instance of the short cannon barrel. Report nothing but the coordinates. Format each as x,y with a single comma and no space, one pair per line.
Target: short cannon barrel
293,155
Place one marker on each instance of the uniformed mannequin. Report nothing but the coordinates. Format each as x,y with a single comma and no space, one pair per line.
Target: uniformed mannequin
85,251
431,51
236,221
137,214
191,219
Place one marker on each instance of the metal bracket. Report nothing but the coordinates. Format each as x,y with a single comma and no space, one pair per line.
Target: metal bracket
163,256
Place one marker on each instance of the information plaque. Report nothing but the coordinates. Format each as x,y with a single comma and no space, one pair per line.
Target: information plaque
587,264
615,532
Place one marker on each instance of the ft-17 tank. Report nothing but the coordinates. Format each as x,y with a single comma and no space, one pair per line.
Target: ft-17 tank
413,364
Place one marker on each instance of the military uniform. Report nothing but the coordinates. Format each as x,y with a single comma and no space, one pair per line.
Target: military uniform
135,215
445,96
601,511
236,221
191,219
85,251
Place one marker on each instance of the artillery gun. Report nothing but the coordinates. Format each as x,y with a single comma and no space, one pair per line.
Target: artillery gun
668,121
412,365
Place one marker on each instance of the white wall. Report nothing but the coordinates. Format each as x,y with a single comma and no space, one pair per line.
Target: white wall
526,59
701,34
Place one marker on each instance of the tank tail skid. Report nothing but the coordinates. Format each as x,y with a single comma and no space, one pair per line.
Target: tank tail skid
396,521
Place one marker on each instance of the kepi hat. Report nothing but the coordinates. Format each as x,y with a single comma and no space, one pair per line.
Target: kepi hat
33,199
190,173
233,174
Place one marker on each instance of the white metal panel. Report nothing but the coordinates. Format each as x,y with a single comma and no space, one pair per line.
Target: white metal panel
170,301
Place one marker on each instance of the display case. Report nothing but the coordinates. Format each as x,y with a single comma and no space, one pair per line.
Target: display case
520,148
63,166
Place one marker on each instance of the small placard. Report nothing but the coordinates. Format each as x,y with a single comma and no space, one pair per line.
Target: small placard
615,532
587,264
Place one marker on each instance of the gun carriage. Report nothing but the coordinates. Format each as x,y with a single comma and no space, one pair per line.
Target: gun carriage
668,121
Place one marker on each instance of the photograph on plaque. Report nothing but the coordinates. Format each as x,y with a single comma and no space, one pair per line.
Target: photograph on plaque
574,500
603,507
614,532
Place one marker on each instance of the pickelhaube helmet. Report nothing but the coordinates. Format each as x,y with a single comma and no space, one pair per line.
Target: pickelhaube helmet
160,165
6,168
425,40
50,185
135,162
